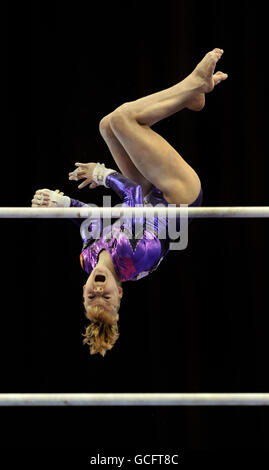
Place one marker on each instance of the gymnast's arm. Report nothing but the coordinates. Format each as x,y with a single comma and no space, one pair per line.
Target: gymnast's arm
96,174
49,198
129,192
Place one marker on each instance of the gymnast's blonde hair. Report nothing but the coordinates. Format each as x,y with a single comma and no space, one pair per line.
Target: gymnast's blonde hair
102,333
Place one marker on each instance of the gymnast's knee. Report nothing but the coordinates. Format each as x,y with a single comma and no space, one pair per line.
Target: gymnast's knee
105,127
121,114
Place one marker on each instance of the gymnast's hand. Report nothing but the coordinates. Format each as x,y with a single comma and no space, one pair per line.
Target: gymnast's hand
48,198
84,171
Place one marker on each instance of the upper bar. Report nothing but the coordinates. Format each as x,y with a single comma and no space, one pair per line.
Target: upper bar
114,212
134,399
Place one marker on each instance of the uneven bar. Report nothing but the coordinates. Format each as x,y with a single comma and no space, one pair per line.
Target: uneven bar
115,212
134,399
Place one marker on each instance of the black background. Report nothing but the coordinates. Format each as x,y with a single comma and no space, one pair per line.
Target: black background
199,323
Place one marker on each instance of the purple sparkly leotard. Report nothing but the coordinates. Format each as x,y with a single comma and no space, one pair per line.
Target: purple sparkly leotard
134,246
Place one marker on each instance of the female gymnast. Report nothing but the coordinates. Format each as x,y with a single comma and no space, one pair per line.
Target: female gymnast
151,172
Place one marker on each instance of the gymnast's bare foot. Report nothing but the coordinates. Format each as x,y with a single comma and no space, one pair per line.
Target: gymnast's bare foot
205,78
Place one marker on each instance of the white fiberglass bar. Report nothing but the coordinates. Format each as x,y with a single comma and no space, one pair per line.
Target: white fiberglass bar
134,399
114,212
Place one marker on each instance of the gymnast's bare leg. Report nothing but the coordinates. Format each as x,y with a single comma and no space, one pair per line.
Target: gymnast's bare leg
143,155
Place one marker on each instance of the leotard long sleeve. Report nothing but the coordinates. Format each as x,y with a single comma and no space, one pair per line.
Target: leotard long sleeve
134,244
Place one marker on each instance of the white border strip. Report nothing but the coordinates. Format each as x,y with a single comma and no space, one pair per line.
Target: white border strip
134,399
115,212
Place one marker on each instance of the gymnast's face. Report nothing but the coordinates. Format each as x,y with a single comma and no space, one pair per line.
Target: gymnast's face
102,289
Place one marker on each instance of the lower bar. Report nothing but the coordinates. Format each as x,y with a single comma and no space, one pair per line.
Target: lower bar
134,399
